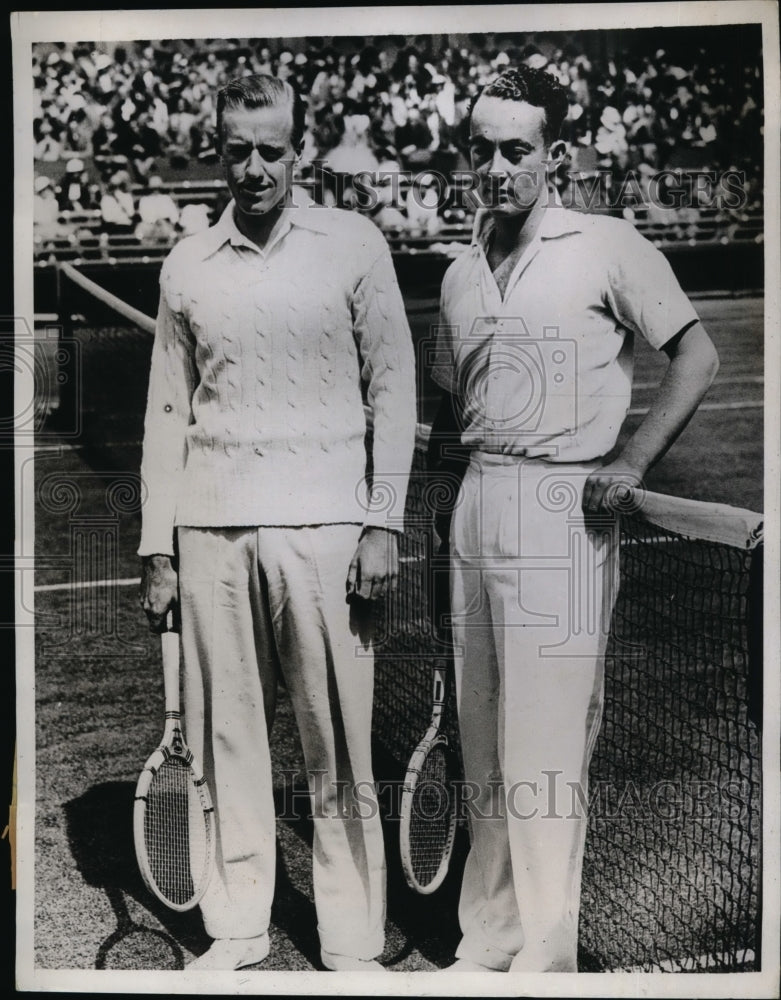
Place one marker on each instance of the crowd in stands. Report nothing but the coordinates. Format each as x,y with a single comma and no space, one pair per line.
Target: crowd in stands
122,117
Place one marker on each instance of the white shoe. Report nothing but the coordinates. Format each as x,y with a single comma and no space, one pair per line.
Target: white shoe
465,965
230,954
346,963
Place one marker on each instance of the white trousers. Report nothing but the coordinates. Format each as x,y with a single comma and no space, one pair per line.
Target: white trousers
532,592
256,604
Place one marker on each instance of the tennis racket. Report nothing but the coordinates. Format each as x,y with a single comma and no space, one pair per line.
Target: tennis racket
173,816
428,802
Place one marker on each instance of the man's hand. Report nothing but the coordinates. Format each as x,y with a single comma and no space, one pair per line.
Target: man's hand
374,568
609,488
159,590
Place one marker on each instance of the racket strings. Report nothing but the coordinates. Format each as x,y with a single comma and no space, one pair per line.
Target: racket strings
432,815
176,833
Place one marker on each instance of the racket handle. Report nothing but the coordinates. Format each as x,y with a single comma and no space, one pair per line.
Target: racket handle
170,647
440,691
440,681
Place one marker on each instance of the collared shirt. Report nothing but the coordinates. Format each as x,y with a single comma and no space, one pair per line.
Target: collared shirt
255,414
546,370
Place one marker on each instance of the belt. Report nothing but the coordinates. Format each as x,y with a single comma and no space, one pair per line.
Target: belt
483,459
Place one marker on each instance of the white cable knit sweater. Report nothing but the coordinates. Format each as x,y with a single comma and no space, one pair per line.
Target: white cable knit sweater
255,414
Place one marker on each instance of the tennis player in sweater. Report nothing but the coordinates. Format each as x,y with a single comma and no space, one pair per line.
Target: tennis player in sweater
259,524
535,361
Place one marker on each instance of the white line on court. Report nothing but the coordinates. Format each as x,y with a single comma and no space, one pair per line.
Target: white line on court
67,446
127,581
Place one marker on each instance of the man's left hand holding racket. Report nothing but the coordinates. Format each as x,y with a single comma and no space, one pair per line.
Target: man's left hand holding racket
159,591
174,822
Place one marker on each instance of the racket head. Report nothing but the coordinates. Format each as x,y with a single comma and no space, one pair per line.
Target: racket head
174,826
428,814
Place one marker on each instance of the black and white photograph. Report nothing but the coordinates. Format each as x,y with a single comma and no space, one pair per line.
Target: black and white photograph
396,446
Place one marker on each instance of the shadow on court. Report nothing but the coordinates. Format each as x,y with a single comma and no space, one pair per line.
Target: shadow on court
100,834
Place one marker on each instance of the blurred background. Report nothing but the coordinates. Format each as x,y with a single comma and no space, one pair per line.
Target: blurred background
125,157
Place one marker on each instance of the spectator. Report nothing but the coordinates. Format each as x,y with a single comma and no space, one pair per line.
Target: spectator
158,213
204,140
611,136
47,146
414,140
77,193
78,133
195,217
388,213
159,115
46,212
423,203
210,70
146,148
117,207
309,151
104,80
105,142
181,123
353,152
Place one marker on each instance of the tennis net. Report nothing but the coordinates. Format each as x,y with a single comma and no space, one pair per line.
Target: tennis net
673,860
672,868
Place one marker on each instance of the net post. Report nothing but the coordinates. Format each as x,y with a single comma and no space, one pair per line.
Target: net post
755,625
65,412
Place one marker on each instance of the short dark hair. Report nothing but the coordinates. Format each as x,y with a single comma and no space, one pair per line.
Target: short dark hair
534,86
259,90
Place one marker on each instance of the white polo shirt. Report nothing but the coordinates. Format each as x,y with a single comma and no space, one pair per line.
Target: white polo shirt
546,371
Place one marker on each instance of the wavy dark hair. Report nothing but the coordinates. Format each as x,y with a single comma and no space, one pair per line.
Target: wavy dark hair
534,86
261,91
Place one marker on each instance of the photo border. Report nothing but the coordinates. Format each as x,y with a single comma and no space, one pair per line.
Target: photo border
30,27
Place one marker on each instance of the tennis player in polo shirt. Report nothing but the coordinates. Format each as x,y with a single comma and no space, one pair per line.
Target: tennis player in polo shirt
534,355
258,521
